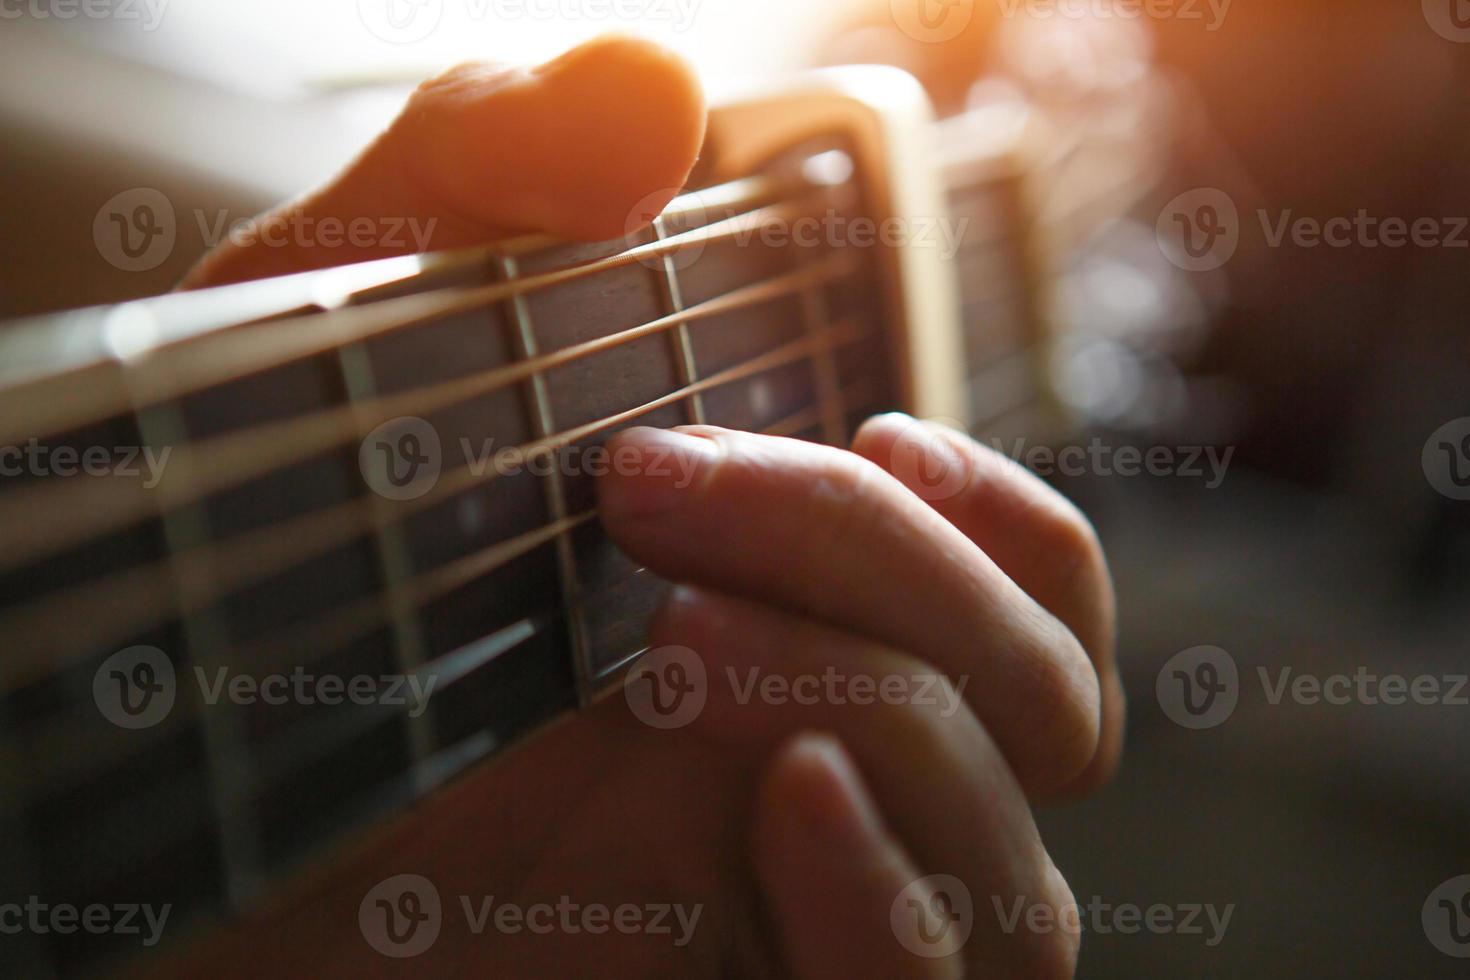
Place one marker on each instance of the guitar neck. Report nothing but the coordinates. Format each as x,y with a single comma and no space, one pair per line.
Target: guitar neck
386,473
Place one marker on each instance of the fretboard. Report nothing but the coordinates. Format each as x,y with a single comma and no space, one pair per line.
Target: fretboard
387,471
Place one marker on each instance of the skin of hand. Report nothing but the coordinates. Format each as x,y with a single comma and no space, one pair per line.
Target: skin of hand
794,828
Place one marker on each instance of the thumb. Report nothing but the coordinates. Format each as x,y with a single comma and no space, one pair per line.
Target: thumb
830,870
484,151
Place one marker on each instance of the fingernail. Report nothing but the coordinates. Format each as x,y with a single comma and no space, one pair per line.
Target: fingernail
655,470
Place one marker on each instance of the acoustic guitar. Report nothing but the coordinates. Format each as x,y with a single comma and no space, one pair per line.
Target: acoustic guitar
383,474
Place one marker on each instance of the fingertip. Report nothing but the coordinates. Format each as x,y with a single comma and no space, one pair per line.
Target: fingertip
579,147
874,439
813,792
830,869
637,95
652,471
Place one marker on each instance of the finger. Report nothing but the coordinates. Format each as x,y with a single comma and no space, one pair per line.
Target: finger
831,870
483,151
824,533
941,784
1031,531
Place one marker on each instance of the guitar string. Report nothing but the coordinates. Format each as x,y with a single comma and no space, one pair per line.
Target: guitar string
59,736
115,610
32,539
132,589
131,600
94,391
82,510
97,392
63,737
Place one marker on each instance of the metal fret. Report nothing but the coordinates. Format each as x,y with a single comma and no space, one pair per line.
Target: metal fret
544,424
394,561
206,638
815,316
684,367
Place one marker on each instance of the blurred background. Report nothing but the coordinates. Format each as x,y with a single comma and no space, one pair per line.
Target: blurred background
1337,540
